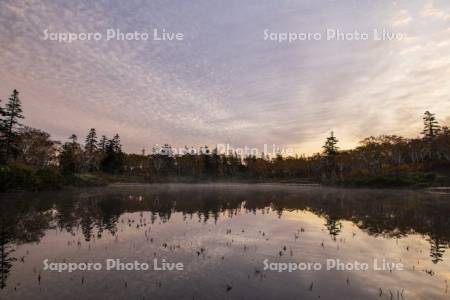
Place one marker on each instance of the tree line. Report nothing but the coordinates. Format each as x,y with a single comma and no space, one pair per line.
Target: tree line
378,161
28,156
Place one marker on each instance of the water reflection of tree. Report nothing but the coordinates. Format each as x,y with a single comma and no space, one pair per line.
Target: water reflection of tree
437,249
392,214
100,214
334,226
6,250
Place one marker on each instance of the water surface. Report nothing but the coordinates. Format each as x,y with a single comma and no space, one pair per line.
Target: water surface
222,234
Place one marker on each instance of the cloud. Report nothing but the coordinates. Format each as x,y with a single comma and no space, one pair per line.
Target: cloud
223,83
401,18
430,10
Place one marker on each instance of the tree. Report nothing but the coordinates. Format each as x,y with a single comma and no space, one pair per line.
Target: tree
12,114
330,148
431,126
69,160
2,134
2,122
113,160
91,141
430,132
35,147
102,143
115,143
73,138
330,151
91,154
2,111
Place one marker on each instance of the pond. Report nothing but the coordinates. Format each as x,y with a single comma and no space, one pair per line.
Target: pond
225,241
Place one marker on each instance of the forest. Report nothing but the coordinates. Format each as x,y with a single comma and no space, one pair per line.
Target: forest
31,160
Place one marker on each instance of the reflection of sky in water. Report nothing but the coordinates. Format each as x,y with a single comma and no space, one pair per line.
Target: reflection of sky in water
235,247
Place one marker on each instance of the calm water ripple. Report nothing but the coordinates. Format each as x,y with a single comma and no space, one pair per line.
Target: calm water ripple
223,234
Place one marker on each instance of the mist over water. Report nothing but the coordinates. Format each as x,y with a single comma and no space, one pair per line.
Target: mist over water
223,233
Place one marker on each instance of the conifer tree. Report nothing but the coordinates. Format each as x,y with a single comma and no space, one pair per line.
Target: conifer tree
116,146
2,116
330,148
91,141
2,134
69,160
113,160
73,138
11,116
90,155
102,143
431,126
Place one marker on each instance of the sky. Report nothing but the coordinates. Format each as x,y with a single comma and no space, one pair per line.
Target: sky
225,82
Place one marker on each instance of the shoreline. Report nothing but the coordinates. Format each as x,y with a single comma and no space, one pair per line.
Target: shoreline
444,190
